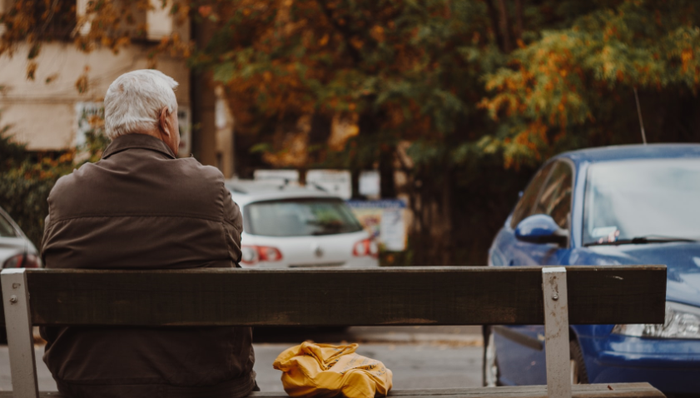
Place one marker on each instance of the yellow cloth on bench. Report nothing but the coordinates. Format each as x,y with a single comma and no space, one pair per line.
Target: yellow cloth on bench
324,370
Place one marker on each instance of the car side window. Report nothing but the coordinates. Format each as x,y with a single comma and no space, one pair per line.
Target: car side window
555,197
524,207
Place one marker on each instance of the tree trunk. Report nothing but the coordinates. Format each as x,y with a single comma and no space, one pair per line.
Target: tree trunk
503,25
493,16
203,102
369,125
447,239
355,183
302,175
386,174
432,239
519,19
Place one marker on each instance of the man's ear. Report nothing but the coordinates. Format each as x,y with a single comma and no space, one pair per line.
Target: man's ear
164,122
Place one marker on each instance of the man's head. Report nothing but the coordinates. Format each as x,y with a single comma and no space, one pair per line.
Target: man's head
143,102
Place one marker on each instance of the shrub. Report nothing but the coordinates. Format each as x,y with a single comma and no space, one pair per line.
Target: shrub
26,178
24,190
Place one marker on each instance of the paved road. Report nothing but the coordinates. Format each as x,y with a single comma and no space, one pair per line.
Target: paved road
419,357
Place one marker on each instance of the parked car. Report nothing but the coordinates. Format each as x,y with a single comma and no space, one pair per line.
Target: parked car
626,205
16,251
285,225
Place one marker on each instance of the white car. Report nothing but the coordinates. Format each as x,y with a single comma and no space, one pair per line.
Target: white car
285,225
16,251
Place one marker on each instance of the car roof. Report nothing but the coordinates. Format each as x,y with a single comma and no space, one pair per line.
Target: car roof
628,152
255,190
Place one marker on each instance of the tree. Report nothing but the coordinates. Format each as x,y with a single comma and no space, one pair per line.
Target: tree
575,85
407,72
448,92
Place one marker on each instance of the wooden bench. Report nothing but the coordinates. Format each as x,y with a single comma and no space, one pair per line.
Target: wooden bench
554,296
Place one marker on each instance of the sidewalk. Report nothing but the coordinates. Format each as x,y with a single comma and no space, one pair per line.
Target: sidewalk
453,335
462,336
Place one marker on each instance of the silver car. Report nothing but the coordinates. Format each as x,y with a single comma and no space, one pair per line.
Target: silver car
288,226
16,251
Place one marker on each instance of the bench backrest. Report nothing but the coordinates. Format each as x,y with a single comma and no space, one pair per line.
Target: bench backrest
380,296
554,296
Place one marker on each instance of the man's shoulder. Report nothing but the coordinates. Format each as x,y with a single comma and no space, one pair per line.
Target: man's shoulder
69,181
177,180
194,175
193,165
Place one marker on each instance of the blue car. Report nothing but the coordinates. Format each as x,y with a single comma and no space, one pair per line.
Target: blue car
637,204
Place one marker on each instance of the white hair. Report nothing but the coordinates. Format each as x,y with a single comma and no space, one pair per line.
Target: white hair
134,100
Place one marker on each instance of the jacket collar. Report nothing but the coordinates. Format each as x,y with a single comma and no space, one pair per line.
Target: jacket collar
137,141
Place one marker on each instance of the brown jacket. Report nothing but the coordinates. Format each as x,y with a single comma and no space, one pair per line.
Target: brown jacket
142,208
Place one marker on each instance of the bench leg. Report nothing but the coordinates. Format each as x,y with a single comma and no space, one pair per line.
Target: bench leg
20,340
556,330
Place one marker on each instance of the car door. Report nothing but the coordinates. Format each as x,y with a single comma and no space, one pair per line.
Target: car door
554,200
520,349
504,249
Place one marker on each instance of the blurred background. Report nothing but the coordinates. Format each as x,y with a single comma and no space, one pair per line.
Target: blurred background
436,111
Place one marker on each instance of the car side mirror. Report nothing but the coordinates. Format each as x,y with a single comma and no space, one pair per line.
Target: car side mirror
541,228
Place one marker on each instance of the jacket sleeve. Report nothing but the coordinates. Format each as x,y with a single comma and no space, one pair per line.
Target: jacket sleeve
233,223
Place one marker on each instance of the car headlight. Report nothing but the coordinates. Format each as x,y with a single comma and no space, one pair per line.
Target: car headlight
682,322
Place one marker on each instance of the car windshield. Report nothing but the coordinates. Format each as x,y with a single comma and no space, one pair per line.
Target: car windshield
641,201
6,229
300,217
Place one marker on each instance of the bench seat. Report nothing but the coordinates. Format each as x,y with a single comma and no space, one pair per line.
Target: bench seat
618,390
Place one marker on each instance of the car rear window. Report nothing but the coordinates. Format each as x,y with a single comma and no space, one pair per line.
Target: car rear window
299,217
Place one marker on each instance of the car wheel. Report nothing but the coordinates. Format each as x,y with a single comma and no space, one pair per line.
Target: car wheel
578,367
490,371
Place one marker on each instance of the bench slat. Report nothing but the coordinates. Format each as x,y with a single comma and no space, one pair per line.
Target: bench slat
618,390
377,296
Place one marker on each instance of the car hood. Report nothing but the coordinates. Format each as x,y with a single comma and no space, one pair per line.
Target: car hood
682,260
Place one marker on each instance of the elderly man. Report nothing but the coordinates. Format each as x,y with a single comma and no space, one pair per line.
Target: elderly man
140,207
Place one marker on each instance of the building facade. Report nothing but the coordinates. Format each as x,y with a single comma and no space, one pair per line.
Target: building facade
48,112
